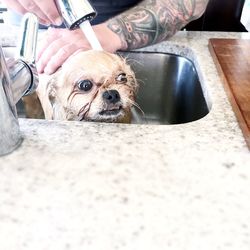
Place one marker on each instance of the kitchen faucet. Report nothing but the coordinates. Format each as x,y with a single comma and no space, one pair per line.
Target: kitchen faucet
18,77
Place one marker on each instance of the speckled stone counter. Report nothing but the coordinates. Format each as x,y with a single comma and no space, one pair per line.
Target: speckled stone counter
74,186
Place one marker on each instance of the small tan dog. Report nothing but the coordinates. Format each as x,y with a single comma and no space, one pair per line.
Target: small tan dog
91,85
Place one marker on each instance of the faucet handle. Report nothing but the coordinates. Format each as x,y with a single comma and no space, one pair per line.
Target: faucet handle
28,43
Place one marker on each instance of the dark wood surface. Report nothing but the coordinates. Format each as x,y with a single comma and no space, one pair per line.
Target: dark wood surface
232,59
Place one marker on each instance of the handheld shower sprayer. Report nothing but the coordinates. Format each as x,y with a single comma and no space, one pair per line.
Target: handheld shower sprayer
78,14
75,12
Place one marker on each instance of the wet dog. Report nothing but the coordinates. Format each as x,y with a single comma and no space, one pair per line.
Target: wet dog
91,86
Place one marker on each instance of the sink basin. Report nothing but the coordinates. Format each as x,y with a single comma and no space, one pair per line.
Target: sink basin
170,90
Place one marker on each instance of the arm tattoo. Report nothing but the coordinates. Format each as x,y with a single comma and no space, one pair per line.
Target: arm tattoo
152,21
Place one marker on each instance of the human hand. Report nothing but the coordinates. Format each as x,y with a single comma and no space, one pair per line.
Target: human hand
59,44
45,10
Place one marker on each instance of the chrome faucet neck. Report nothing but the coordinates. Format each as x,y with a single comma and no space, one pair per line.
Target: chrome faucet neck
18,77
10,137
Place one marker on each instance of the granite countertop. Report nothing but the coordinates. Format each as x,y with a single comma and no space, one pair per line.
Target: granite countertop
74,186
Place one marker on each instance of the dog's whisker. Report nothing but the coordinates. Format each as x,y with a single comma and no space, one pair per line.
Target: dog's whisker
140,81
132,60
82,112
71,97
135,104
88,105
71,94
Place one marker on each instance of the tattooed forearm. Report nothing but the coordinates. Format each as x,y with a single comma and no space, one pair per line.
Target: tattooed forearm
153,21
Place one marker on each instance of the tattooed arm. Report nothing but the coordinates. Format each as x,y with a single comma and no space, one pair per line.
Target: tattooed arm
153,21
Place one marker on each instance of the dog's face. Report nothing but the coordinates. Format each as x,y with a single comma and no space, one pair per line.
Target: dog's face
91,85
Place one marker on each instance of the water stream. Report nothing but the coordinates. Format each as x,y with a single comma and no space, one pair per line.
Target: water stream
90,35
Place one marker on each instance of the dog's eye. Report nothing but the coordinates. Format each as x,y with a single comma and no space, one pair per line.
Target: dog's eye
121,77
85,85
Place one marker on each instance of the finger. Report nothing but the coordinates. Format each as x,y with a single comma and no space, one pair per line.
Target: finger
59,58
32,7
51,50
52,34
50,10
16,6
44,22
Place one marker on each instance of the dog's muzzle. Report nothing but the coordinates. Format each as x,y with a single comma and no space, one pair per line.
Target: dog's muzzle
111,96
113,105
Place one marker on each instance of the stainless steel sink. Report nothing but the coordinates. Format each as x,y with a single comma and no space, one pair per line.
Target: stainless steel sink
170,90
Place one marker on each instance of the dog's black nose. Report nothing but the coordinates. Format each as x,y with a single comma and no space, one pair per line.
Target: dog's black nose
111,96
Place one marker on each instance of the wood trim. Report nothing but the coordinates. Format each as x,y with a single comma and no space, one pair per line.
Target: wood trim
232,59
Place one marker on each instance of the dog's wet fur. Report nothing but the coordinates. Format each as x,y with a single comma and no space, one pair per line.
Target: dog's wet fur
92,86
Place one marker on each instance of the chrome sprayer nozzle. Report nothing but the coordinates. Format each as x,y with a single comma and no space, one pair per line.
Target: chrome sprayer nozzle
75,12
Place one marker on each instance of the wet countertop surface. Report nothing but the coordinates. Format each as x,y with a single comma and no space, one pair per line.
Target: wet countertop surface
74,185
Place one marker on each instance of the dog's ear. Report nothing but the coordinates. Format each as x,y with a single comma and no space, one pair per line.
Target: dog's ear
47,93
